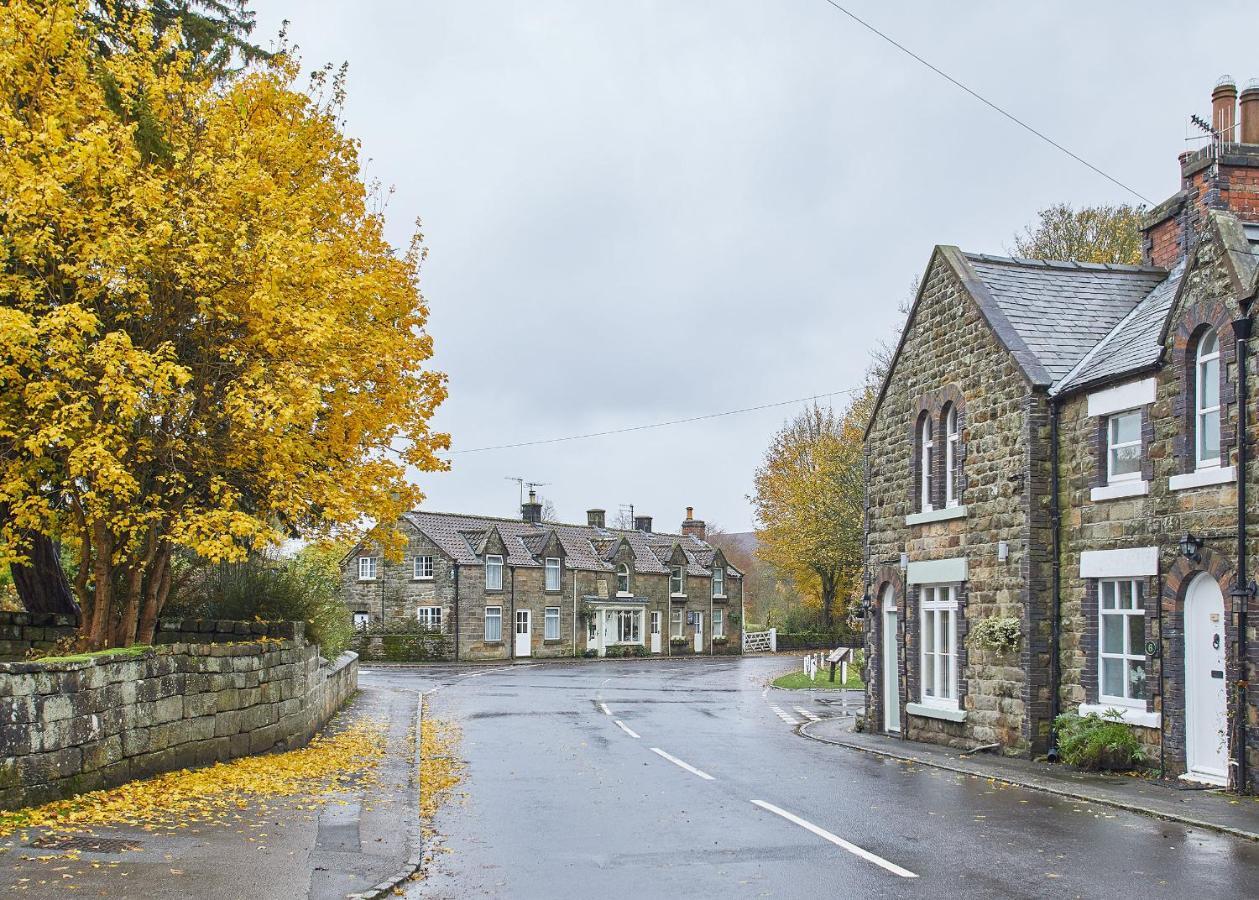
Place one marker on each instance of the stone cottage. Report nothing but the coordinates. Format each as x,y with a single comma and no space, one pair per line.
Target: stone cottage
1058,488
494,588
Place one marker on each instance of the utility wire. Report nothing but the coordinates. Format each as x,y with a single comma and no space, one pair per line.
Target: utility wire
595,434
984,100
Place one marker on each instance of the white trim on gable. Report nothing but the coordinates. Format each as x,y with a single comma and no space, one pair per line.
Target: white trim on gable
938,571
1119,563
1131,395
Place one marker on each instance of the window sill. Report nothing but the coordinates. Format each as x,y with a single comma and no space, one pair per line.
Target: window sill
367,580
1120,489
936,712
1203,478
549,641
1131,715
678,595
623,594
936,515
423,578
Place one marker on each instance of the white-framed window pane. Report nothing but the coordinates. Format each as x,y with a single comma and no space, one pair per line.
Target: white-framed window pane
676,623
361,620
1112,677
552,574
622,579
1124,444
493,623
1121,641
1209,436
551,625
367,568
1209,383
719,623
493,573
719,582
423,567
675,580
429,617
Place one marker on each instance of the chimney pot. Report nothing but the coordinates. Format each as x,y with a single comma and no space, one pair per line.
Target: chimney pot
594,518
1250,112
1224,109
692,525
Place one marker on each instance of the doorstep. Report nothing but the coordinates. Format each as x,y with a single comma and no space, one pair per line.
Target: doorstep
1210,809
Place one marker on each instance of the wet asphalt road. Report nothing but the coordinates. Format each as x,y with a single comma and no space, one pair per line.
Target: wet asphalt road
564,799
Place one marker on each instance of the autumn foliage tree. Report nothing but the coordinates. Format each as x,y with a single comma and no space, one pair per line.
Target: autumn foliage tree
809,503
206,342
1096,234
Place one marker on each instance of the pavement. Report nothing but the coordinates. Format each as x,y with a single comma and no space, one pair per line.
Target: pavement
278,849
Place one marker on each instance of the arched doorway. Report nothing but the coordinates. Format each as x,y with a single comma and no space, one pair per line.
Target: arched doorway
1206,700
891,662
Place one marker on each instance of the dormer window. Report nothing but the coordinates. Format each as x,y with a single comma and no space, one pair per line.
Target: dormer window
552,573
719,583
677,581
622,580
493,573
1207,401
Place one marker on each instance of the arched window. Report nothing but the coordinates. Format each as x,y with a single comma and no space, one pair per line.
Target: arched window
926,451
1207,401
950,456
622,579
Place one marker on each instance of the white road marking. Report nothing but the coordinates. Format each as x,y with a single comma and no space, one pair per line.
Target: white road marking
790,720
808,715
837,841
604,707
621,725
677,762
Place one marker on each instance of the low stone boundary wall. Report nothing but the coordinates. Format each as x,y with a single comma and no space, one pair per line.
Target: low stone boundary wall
20,632
78,725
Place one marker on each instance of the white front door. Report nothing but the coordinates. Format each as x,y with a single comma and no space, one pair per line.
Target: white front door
699,632
891,665
655,632
1206,716
524,646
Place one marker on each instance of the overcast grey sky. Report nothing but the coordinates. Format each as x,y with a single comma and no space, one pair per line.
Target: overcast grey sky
643,211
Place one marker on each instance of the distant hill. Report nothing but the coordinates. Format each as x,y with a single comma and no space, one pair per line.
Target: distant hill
740,541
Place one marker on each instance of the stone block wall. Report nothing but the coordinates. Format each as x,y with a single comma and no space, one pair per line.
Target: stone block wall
22,632
75,725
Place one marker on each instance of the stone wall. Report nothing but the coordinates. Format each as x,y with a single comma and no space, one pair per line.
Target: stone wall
90,722
22,632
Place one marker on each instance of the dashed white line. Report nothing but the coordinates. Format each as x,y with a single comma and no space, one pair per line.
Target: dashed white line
677,762
790,720
808,715
837,841
621,725
604,707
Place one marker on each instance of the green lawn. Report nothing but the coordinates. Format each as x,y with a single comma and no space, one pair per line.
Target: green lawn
797,680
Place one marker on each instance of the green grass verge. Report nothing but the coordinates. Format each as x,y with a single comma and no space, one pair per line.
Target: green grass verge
121,652
796,681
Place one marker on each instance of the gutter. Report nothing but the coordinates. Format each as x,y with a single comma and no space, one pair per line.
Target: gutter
1244,589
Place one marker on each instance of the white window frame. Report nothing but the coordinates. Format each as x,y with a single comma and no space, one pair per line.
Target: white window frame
719,623
551,566
1112,446
622,580
361,620
677,581
719,581
1133,590
1202,413
494,563
677,624
926,449
629,626
551,623
951,438
429,617
422,568
937,609
493,614
367,568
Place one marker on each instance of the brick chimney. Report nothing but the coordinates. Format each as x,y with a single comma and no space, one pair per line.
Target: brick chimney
531,512
692,525
595,517
642,523
1223,174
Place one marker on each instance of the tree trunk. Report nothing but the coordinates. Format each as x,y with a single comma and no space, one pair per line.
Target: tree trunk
97,631
828,600
42,586
155,593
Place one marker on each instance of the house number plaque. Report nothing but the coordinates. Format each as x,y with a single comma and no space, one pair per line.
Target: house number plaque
1151,648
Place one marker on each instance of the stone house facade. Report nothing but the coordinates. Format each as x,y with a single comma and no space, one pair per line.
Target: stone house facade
1062,448
493,588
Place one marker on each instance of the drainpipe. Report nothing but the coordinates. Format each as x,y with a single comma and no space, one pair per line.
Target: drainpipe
574,613
1055,626
456,566
1244,590
511,645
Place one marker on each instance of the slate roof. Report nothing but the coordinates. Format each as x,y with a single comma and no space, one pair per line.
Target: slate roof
1132,345
460,536
1062,310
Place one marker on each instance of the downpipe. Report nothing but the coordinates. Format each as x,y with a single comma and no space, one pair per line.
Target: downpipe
1055,618
1244,589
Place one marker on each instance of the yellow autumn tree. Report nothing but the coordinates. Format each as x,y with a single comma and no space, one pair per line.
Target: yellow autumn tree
809,503
206,342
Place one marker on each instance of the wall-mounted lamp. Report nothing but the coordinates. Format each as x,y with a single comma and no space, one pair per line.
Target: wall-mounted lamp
1003,551
904,561
1190,545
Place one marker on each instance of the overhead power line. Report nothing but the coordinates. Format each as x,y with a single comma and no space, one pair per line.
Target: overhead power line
627,430
984,100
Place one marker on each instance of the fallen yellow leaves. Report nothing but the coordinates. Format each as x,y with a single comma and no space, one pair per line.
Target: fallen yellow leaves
219,792
440,768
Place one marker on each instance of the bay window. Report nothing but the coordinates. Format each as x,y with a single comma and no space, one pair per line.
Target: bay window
938,655
628,626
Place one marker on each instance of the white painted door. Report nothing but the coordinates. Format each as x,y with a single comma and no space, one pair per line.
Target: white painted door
891,665
524,646
699,632
1206,717
655,632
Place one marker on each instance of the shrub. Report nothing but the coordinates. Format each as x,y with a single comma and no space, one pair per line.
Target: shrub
638,650
999,633
304,588
1098,742
590,654
678,642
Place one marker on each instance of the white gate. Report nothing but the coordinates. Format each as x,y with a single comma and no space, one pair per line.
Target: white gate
760,641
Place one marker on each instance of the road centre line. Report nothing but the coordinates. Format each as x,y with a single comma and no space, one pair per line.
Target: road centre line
677,762
604,707
837,841
625,728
